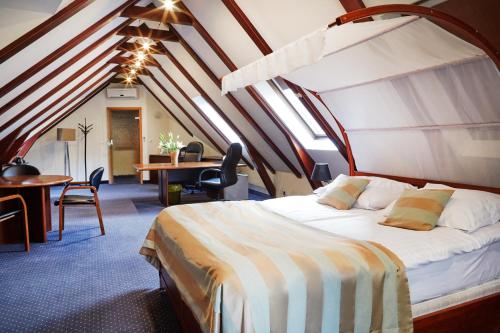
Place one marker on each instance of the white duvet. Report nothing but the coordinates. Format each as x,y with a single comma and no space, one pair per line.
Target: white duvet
414,248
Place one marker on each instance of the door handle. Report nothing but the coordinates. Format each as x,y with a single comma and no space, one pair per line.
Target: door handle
110,143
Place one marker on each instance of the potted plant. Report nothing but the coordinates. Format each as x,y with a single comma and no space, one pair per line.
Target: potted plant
170,145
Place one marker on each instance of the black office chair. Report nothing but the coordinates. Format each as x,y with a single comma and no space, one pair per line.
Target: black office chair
193,152
20,170
226,175
71,200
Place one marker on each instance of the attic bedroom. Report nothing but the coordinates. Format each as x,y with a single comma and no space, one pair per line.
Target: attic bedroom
250,166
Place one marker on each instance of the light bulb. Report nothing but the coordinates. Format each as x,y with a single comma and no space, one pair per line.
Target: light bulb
141,56
128,79
137,64
168,4
133,71
146,45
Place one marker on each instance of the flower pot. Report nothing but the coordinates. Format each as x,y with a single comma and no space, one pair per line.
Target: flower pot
174,157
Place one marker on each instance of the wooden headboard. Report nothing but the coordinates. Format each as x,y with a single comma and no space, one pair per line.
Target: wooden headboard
421,182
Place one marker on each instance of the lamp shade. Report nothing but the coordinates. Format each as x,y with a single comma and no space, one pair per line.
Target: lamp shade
66,134
321,172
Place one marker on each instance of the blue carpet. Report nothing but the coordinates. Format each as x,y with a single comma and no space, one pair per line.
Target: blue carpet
88,282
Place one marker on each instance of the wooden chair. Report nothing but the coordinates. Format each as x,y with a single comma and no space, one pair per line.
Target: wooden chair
72,200
4,216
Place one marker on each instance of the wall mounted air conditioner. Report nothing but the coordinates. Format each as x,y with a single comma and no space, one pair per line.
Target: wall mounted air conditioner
121,92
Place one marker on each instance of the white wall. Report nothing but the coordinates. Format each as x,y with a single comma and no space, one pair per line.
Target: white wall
48,155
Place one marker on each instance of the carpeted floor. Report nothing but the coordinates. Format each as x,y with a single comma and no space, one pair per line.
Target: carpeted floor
88,282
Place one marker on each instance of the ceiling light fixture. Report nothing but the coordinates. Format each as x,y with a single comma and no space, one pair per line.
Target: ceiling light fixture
141,56
133,71
168,4
138,64
146,45
128,79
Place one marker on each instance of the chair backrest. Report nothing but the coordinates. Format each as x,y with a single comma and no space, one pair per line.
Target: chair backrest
20,170
229,176
95,177
194,152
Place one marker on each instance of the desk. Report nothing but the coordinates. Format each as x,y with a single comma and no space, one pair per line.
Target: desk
153,174
35,190
164,168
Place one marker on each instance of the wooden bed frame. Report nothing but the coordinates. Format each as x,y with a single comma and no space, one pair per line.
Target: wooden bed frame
481,315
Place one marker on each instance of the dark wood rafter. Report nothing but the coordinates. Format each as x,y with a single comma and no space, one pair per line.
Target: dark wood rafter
305,160
62,85
8,145
130,60
26,146
62,68
187,114
64,48
350,5
66,95
42,29
157,15
144,31
165,107
200,112
266,49
457,26
253,152
235,102
135,47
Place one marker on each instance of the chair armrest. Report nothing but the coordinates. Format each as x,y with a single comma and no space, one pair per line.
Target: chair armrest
205,171
82,187
15,197
79,183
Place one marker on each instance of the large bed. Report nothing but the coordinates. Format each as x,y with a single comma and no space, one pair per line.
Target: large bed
453,276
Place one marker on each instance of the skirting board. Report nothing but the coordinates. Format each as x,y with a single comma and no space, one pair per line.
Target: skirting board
480,315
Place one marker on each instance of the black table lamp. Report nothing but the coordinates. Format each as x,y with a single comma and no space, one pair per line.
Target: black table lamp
321,172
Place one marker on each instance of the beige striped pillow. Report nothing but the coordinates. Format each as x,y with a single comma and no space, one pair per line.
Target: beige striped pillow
418,209
344,195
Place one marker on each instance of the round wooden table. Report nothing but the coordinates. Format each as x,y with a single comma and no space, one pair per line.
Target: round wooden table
35,190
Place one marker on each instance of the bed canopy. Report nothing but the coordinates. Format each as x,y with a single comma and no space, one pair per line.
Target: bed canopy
414,100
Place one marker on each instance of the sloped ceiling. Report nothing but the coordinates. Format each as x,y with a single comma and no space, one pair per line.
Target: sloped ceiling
51,75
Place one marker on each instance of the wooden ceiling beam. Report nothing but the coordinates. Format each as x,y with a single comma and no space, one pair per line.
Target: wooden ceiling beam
305,160
63,116
42,29
66,95
166,108
266,49
253,152
64,48
25,149
61,85
199,110
8,145
62,68
144,31
187,114
135,47
157,15
244,113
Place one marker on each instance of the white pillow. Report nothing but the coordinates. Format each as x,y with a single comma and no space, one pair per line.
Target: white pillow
379,193
320,190
468,210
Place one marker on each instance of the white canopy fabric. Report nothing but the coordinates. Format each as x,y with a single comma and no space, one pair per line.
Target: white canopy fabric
353,54
415,100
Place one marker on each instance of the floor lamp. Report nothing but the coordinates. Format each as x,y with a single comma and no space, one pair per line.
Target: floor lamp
66,135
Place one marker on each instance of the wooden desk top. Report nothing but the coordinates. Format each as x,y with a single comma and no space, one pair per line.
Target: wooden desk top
33,181
181,166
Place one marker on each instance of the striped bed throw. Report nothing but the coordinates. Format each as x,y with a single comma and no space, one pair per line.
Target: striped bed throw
242,268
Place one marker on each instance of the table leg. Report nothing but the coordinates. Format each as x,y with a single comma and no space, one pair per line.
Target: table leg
163,187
